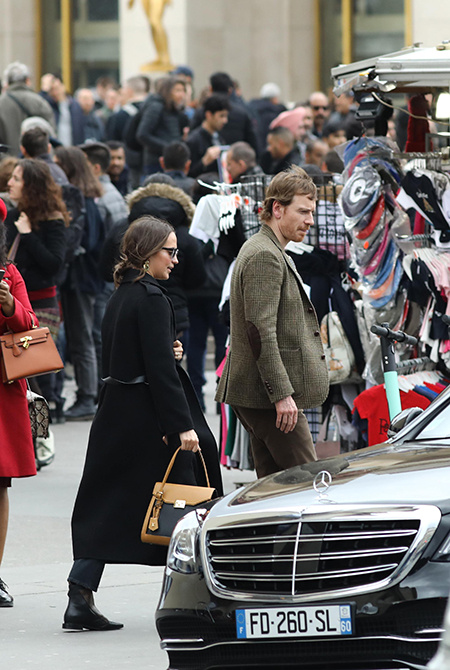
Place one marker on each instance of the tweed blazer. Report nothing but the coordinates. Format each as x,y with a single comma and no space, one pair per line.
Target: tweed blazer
275,345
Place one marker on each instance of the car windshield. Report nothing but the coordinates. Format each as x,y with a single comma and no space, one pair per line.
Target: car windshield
438,427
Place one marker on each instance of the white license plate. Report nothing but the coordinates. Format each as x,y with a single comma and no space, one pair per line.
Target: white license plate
310,621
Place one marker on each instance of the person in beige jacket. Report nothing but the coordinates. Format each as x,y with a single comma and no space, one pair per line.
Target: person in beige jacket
276,365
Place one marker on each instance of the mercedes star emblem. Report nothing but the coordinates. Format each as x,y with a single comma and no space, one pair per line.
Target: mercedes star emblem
322,482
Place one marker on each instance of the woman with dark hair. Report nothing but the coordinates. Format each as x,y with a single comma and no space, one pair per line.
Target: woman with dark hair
16,452
146,404
74,163
36,229
163,121
83,283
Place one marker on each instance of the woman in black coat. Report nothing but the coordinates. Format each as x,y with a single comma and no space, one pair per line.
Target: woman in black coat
146,410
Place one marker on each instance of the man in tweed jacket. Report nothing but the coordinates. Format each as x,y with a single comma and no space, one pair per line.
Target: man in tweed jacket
276,365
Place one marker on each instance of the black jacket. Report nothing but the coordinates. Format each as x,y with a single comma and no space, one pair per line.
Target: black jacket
182,181
159,127
240,126
274,166
199,141
264,112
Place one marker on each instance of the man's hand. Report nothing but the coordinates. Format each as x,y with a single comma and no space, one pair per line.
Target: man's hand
287,414
212,154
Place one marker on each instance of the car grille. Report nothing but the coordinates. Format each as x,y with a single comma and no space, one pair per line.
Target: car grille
295,558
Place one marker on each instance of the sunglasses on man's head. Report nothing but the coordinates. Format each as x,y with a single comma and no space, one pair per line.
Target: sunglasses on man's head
173,251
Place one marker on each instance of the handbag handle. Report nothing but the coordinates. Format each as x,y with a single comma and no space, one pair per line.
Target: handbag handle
172,461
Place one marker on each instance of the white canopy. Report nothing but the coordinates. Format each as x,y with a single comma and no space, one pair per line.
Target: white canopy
412,69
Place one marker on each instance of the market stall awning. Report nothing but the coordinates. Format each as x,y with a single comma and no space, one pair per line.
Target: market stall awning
411,69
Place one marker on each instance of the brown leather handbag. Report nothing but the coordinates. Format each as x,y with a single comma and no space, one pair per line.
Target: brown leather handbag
28,354
170,502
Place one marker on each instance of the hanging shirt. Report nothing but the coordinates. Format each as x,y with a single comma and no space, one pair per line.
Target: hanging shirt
372,405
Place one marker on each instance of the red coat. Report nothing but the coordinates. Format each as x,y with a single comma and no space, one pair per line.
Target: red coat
16,444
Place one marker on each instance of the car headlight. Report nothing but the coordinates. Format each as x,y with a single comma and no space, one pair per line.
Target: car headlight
443,553
183,547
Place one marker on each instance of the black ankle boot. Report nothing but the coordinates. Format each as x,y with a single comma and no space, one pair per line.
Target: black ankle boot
81,612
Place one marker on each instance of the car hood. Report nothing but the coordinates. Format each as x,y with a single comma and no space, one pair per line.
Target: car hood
382,474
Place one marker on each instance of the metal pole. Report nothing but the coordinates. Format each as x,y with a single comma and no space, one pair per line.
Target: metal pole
66,43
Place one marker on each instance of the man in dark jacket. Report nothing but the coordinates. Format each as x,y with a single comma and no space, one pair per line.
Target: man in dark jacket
69,116
163,121
241,162
92,125
240,126
176,162
134,92
281,151
35,143
17,103
206,142
265,109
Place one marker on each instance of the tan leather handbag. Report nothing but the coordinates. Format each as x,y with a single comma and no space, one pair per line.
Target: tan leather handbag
28,354
170,502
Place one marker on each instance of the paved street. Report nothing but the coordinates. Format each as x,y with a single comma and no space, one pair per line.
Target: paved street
37,561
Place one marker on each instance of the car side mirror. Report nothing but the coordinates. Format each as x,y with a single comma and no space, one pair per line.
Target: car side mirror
402,419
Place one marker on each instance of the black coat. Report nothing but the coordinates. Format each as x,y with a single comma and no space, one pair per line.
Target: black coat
126,454
240,126
159,127
199,141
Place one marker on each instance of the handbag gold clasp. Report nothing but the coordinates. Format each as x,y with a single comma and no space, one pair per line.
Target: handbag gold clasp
26,341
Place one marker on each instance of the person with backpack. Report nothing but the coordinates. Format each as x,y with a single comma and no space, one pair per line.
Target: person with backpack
18,102
83,283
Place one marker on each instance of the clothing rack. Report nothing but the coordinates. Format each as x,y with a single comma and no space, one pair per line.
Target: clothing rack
416,365
432,160
329,231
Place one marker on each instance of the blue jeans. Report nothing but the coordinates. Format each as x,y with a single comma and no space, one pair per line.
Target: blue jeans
203,317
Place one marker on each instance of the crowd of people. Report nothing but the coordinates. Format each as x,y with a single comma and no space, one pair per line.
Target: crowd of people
86,181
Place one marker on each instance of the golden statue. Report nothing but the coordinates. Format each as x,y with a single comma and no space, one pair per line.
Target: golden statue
154,10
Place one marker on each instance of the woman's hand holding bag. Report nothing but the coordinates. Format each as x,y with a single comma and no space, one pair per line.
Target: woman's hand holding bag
6,299
170,502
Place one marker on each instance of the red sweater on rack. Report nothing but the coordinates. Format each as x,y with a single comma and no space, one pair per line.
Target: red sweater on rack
372,405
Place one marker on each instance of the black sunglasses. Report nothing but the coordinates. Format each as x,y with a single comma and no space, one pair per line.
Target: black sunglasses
317,107
173,251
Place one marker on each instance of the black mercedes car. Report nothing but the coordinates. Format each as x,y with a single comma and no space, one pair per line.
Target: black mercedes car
341,564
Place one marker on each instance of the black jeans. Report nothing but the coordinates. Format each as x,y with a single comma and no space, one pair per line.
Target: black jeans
87,572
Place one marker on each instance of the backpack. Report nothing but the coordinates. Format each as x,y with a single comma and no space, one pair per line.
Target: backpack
84,271
74,201
339,354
